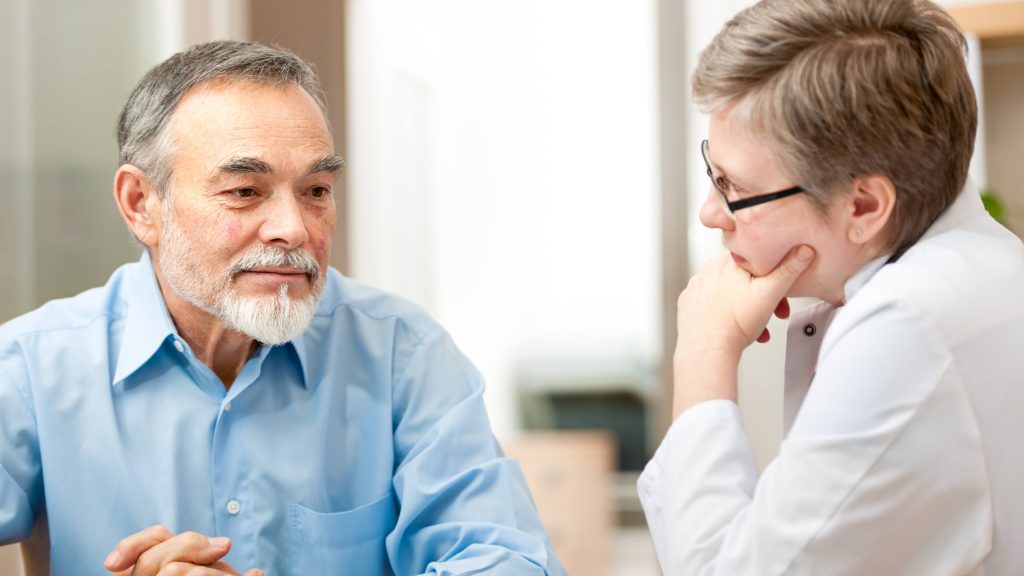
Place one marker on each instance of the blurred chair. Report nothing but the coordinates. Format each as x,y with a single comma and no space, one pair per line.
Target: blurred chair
31,557
10,561
571,474
35,552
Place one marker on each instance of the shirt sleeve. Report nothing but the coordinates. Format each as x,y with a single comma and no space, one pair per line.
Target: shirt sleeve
882,472
20,469
464,506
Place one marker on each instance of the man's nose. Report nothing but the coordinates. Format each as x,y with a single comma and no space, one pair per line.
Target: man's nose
284,224
712,213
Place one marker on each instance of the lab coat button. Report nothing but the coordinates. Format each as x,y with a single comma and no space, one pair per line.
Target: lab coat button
810,330
234,507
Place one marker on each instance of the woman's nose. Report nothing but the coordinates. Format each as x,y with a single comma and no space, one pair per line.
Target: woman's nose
712,212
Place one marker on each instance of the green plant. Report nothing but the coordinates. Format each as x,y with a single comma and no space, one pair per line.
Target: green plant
994,206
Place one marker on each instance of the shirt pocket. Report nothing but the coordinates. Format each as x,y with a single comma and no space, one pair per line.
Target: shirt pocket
341,542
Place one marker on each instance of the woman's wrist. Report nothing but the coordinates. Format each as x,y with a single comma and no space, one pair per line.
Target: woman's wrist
705,375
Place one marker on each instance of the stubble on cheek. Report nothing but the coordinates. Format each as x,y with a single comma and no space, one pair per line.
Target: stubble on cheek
232,230
323,250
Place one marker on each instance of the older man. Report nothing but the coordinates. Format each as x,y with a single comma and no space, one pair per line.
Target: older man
230,401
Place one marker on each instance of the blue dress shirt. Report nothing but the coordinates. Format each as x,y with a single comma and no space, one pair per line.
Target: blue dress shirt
362,447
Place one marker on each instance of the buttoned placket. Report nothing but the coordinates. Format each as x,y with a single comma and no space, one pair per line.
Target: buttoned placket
233,499
803,341
231,487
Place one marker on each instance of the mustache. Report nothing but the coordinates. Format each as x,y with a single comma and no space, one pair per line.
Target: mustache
272,256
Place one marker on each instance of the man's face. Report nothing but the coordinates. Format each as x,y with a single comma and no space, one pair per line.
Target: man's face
248,219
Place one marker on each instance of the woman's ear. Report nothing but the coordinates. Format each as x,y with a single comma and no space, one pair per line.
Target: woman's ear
870,207
139,203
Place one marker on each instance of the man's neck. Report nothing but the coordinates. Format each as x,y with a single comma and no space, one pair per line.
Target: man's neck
223,350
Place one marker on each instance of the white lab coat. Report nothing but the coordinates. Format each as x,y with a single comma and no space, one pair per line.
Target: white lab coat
905,456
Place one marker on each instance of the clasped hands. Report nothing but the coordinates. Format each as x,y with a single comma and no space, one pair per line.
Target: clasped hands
723,310
155,551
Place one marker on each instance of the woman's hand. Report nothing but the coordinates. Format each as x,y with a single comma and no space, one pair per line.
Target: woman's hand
722,311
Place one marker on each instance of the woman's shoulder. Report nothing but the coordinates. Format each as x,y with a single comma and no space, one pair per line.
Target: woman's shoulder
960,282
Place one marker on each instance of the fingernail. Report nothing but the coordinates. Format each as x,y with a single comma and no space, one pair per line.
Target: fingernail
113,559
220,542
804,253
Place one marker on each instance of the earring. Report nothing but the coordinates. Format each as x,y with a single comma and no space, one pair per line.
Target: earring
858,232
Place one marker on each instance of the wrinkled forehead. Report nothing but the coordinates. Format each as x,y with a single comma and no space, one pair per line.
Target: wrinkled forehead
275,123
218,103
226,113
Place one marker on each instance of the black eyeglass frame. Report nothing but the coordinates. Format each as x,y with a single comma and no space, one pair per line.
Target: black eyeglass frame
731,206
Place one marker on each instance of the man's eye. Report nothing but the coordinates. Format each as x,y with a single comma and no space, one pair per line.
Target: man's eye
319,191
244,192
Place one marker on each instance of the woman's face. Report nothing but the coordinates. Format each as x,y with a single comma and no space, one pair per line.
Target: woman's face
762,235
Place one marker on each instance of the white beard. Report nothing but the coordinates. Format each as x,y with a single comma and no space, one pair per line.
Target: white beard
270,319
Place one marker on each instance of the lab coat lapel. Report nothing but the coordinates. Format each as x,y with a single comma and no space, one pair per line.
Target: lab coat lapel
803,340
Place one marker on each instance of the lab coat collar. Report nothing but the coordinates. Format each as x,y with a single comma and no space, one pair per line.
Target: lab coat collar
967,205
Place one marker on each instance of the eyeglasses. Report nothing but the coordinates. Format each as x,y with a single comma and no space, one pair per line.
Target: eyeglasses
722,185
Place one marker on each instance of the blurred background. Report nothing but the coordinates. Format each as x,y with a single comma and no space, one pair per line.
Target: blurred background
526,170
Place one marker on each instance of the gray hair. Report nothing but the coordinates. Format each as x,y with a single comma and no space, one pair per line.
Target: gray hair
142,137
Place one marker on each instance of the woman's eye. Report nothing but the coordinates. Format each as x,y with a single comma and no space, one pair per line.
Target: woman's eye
244,192
723,183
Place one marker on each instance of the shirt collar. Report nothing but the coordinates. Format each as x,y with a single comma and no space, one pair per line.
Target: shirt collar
967,205
299,345
148,325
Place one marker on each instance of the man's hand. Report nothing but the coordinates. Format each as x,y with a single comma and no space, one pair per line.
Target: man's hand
156,552
723,310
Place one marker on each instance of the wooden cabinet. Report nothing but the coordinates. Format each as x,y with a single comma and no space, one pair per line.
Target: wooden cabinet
570,478
998,22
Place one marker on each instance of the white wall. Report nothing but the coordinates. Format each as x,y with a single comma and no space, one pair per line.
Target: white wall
502,172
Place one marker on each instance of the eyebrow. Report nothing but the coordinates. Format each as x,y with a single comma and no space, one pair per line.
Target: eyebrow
725,173
241,165
330,163
251,165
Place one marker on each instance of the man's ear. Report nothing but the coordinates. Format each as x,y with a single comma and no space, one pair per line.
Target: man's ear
139,203
870,208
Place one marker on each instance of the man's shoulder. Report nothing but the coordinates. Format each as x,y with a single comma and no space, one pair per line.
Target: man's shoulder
75,313
345,299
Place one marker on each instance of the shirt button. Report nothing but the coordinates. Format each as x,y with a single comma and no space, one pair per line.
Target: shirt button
179,346
810,329
234,507
227,406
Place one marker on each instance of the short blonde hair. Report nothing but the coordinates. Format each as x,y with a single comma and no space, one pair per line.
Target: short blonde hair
843,88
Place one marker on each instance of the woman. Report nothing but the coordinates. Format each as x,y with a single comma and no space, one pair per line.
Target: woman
838,146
